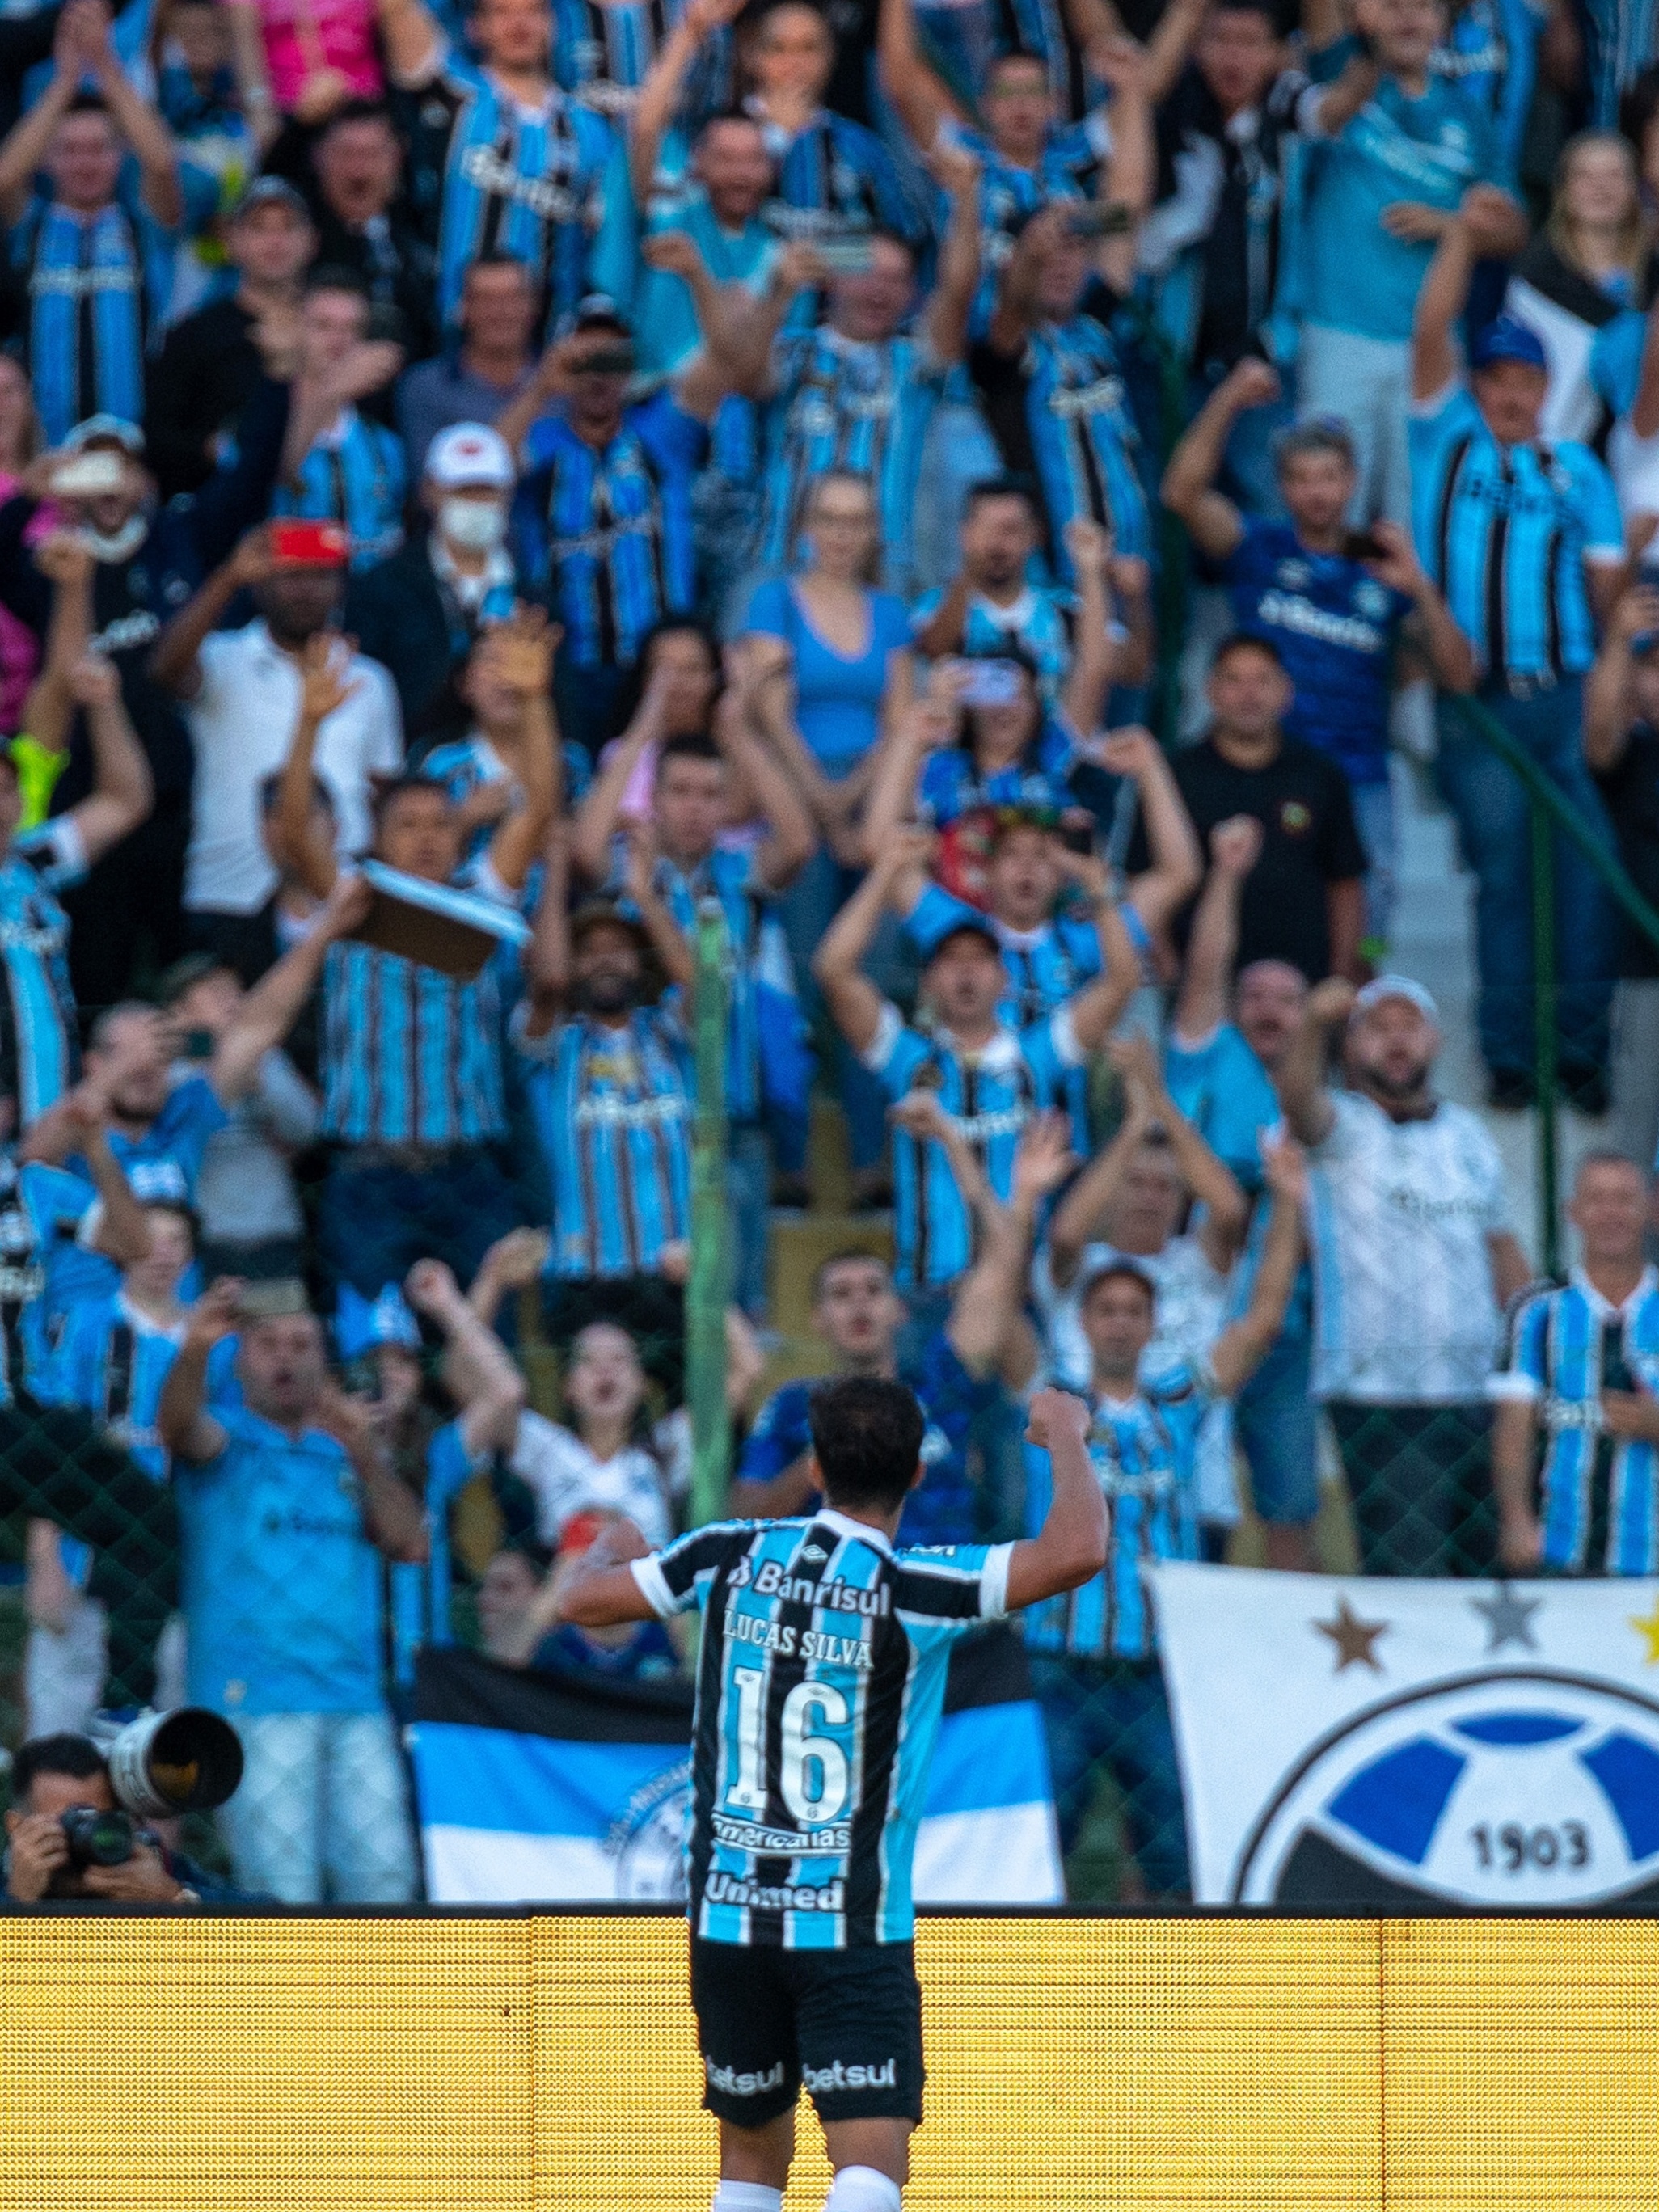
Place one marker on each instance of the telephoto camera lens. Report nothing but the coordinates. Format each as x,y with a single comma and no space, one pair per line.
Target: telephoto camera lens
98,1838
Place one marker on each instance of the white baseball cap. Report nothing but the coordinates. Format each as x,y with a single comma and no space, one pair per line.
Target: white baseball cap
470,453
1398,986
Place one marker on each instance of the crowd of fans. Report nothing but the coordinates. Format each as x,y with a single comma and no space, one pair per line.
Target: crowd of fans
517,479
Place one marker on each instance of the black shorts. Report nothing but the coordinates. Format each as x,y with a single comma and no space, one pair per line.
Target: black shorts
847,2024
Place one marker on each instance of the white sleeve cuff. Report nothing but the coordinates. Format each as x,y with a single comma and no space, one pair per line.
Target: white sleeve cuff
654,1588
86,1233
880,1048
993,1582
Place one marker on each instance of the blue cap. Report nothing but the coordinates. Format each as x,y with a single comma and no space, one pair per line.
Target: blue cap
1508,340
361,1323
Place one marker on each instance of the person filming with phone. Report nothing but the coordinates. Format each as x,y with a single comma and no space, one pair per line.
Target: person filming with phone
1337,604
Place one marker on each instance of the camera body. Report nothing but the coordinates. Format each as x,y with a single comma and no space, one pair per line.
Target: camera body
96,1839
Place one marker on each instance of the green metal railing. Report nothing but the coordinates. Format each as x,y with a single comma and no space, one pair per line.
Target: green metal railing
708,1291
1549,810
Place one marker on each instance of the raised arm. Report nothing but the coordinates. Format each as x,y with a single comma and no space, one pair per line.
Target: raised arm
409,33
1071,1545
1089,679
25,146
478,1370
141,125
523,650
547,967
917,92
271,1009
1299,1079
186,1429
175,664
1170,48
791,840
1212,947
1436,356
1096,1008
123,790
891,806
393,1517
1333,106
1158,892
1077,1219
1240,1350
49,709
674,956
1210,1182
992,1295
659,97
304,844
1210,518
123,1230
956,278
1609,708
854,999
600,813
1130,172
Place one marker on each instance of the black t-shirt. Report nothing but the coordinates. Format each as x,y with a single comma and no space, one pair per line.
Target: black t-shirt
1632,793
1302,802
208,370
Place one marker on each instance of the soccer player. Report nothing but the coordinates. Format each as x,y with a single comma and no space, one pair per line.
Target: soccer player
858,1312
1583,1361
820,1683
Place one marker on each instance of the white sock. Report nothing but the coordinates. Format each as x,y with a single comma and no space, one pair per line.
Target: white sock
746,2197
862,2189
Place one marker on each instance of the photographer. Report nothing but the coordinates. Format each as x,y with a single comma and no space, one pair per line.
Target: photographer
53,1777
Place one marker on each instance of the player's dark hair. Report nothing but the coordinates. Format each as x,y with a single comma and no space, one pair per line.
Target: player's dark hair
1009,487
1243,641
867,1438
849,1255
78,1756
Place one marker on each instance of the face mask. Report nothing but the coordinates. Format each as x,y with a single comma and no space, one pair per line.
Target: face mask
472,525
119,545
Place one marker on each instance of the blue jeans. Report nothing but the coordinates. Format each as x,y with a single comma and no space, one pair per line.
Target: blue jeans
1373,815
749,1200
1494,828
1277,1429
1114,1714
378,1220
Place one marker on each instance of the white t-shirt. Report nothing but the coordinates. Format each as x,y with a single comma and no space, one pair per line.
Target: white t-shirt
1190,1314
1400,1212
568,1480
241,722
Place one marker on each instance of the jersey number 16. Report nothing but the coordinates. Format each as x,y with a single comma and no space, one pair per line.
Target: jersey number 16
813,1781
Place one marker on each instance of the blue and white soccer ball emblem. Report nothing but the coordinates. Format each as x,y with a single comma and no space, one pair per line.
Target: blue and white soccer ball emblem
1518,1791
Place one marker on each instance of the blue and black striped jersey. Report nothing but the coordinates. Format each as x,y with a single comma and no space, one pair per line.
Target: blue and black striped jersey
820,1686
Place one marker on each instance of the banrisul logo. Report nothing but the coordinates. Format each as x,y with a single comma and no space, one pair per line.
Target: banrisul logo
1520,1790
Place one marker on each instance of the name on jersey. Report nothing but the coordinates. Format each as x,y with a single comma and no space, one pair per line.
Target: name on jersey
1287,610
776,1896
786,1642
838,1596
483,167
792,1843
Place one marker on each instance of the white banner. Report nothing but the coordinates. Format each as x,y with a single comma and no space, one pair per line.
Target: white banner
1371,1744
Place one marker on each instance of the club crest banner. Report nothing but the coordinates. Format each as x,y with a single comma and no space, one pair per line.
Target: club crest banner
1387,1746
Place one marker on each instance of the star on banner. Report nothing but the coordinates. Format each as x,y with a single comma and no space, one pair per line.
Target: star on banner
1509,1618
1647,1626
1353,1638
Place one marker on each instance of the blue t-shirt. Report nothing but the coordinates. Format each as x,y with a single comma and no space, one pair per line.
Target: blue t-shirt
1431,150
282,1588
1227,1095
1334,628
837,701
944,1509
162,1165
953,783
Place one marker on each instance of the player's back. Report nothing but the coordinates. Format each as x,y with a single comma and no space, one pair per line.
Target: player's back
820,1685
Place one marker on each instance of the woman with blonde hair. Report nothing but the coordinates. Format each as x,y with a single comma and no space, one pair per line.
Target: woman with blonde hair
1586,266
